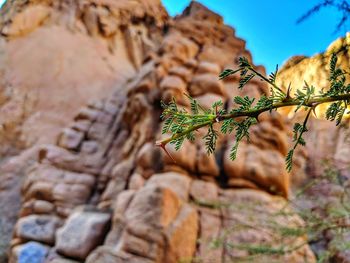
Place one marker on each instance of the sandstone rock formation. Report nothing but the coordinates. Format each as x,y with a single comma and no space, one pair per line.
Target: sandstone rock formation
80,49
56,56
99,191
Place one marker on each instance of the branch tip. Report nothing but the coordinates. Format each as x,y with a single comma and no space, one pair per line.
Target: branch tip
162,146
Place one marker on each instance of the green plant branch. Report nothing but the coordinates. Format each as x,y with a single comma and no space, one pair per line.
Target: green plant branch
182,124
254,113
266,79
164,142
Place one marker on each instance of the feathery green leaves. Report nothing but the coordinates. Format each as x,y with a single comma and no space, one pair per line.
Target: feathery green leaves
243,81
210,139
273,75
181,124
227,72
242,131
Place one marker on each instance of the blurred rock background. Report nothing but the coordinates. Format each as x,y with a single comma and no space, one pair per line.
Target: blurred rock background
81,180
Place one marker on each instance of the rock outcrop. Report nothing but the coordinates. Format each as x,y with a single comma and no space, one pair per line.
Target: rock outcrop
58,55
99,190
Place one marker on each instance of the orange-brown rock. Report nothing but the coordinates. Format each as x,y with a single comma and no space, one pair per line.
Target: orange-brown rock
88,47
92,78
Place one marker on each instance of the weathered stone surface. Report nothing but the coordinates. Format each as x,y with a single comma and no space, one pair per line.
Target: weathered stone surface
41,228
181,72
148,160
178,183
37,207
261,161
264,168
82,233
153,225
173,82
179,46
62,260
95,68
185,158
27,20
89,147
174,87
204,192
136,182
206,83
64,188
208,67
123,202
314,70
182,235
140,208
70,139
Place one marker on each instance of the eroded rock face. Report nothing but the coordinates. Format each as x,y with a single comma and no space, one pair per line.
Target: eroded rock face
88,47
104,190
82,232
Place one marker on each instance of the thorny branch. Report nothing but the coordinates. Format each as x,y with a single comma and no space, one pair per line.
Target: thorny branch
181,124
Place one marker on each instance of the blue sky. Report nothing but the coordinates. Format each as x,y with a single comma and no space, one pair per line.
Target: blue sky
270,29
269,26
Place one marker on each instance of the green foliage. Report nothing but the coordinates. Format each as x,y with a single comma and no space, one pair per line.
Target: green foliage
289,160
210,139
238,120
273,76
298,131
227,72
242,131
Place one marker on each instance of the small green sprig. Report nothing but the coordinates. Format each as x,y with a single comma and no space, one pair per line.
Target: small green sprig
182,124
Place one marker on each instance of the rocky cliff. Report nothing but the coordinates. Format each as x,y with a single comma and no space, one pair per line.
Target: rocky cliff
81,180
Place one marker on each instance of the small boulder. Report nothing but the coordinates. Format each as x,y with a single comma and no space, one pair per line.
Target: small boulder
141,210
173,87
206,83
204,192
82,232
181,72
31,252
208,67
43,207
182,235
178,183
40,228
136,181
70,139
